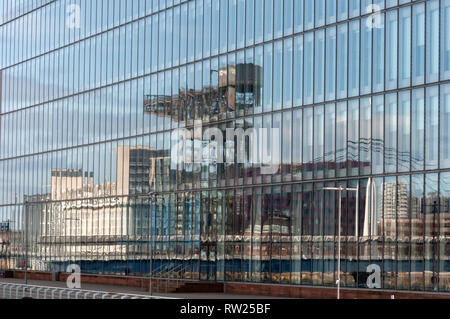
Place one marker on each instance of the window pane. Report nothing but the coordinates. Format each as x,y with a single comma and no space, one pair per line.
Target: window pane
287,73
308,68
353,137
308,140
405,47
318,141
445,40
297,146
404,131
342,57
268,56
330,65
366,56
445,128
330,140
418,134
432,128
341,139
432,37
353,58
378,135
391,49
287,146
431,219
298,71
278,76
319,62
365,138
444,212
418,53
390,154
378,56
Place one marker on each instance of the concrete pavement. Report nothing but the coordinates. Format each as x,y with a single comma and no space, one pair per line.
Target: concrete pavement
134,290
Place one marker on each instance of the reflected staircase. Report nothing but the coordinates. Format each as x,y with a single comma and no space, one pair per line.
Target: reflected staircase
166,281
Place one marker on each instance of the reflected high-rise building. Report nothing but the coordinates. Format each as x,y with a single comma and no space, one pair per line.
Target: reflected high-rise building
371,219
95,218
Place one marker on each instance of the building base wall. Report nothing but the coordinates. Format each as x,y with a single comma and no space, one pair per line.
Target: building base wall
159,285
238,288
323,292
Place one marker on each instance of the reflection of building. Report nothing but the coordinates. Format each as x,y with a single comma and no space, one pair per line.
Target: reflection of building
395,209
10,247
5,242
395,200
70,184
141,170
95,218
242,85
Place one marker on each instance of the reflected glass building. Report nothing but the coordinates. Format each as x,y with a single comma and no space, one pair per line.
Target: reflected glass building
92,91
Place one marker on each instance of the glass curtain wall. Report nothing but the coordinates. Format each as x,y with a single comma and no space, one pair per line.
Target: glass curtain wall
138,133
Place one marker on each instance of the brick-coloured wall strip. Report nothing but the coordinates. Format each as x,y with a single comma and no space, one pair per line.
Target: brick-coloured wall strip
159,285
323,293
239,288
33,275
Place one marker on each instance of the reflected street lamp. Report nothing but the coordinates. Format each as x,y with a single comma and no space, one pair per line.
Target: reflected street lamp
340,189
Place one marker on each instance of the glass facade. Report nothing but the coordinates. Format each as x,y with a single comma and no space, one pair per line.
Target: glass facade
92,91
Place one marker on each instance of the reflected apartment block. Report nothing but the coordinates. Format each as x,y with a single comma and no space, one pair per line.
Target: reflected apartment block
89,221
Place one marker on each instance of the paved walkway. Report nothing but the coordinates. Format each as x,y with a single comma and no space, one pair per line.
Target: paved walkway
135,290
